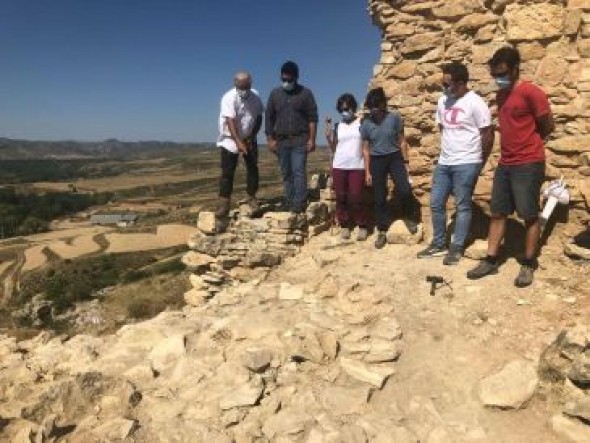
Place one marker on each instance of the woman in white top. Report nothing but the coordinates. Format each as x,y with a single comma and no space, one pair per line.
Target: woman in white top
348,167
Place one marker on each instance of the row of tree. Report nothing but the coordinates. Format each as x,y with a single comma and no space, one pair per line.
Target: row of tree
28,213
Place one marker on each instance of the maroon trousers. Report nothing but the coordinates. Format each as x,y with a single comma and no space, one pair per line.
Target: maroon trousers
349,184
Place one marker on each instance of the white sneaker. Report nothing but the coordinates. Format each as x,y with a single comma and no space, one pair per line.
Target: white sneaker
344,233
362,234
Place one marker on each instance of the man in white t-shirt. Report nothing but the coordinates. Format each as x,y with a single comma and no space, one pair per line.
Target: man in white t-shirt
239,122
467,138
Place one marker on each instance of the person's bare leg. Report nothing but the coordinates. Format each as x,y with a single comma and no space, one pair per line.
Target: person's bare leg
496,234
525,275
533,231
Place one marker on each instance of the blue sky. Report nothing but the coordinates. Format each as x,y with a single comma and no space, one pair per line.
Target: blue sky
156,69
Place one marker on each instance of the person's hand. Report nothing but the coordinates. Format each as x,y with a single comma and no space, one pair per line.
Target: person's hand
368,179
328,128
310,145
242,147
272,145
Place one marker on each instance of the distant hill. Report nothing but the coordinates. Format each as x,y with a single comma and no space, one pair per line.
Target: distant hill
12,149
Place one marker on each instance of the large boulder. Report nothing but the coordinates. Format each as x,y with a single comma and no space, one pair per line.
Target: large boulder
512,387
399,234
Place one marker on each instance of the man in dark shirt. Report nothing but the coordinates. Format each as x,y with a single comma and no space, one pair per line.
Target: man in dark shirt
291,125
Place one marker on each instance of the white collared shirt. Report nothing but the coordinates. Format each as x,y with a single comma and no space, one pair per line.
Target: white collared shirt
245,111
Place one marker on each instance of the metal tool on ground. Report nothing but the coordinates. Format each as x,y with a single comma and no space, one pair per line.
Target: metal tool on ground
435,281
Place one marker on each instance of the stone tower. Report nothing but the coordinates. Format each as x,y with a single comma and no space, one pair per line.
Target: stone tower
553,37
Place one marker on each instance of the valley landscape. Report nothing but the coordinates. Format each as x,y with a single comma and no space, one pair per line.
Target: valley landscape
164,185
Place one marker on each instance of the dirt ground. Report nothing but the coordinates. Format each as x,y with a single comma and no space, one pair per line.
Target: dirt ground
468,330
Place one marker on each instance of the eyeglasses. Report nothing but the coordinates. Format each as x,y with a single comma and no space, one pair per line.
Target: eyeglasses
287,80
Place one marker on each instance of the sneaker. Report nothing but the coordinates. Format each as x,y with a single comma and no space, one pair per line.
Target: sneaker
432,251
525,276
345,233
362,234
482,269
453,256
411,226
381,240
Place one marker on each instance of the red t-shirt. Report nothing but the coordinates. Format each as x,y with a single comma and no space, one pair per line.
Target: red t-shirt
517,110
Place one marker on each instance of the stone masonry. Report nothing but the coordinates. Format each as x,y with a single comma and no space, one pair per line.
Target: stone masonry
553,38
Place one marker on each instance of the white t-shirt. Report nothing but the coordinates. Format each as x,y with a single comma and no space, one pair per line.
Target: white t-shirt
349,153
461,120
244,110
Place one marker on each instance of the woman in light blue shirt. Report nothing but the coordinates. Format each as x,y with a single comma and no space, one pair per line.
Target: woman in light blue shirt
385,152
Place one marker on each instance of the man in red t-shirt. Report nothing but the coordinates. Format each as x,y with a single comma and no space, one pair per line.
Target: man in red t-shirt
525,120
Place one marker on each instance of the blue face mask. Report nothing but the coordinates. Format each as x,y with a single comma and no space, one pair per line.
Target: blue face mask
347,115
448,92
503,82
288,86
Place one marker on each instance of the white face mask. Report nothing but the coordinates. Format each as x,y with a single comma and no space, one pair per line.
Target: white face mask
243,93
288,86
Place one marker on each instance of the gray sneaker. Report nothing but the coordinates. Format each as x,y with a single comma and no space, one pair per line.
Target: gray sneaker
432,251
525,276
381,240
482,269
453,256
362,234
345,233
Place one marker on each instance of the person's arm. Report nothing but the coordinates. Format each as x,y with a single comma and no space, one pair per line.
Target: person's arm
313,130
367,157
233,130
270,118
541,110
331,135
403,143
312,117
404,147
545,125
487,143
482,118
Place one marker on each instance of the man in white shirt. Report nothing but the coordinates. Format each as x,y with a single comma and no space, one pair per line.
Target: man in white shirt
239,122
467,139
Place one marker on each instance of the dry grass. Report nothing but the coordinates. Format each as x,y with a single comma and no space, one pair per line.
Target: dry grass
4,266
124,181
67,233
79,246
167,236
34,258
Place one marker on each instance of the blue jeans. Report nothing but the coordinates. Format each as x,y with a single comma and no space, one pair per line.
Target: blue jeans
293,163
460,181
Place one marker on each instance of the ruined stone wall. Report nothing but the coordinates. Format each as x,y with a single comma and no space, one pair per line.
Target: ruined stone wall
554,41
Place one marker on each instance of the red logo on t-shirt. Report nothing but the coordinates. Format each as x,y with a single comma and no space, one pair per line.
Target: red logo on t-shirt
451,116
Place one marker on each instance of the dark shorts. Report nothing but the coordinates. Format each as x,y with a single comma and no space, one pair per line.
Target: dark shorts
518,187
